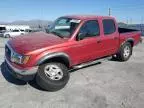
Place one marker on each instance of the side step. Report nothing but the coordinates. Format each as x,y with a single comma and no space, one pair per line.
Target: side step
91,63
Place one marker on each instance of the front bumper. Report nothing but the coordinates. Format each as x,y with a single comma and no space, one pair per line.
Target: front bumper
1,34
25,74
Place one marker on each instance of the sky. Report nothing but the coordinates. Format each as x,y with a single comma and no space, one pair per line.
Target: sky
128,11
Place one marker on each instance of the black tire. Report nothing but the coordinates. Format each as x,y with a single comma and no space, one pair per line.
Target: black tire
48,84
114,57
7,36
120,56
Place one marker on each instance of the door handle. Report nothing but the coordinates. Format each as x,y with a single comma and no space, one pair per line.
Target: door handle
115,37
99,41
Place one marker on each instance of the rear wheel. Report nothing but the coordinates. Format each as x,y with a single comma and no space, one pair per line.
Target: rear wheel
125,52
52,76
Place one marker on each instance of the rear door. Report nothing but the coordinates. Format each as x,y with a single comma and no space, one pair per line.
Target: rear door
15,33
110,37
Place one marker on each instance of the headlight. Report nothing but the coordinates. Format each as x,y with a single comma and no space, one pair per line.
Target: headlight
19,59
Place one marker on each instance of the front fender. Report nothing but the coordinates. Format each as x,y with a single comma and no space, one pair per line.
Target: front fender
54,55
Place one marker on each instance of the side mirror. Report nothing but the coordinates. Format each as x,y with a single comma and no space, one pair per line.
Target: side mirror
47,30
81,36
49,26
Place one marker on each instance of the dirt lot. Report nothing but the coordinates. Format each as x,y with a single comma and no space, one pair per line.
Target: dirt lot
111,84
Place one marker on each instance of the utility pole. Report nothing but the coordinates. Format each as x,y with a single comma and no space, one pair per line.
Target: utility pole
130,20
142,20
141,25
127,22
109,11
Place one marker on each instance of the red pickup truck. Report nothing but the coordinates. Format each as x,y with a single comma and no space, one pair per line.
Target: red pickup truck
70,42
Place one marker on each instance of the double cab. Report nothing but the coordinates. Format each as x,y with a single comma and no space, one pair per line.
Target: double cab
71,42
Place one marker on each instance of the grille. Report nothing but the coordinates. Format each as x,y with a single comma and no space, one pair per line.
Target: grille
7,52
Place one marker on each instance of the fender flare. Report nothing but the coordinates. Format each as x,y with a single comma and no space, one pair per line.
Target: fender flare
54,55
128,40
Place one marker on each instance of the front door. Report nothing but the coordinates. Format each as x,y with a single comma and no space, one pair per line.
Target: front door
88,45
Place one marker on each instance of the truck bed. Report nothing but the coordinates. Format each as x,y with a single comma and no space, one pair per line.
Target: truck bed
126,33
126,30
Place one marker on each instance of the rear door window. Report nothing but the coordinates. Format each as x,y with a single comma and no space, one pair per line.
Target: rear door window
109,26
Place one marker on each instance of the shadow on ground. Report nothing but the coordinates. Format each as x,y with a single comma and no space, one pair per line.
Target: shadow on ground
15,81
32,83
9,77
114,59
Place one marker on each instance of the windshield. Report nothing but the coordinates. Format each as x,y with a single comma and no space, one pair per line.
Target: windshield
22,30
64,27
2,29
15,30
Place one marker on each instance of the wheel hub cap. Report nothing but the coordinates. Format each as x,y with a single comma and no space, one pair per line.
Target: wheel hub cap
53,72
126,51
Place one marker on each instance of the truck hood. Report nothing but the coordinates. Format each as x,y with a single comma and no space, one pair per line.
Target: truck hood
34,41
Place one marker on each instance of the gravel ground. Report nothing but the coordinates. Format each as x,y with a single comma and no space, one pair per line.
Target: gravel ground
111,84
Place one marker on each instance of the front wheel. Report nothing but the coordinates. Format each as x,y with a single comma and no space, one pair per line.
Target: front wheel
7,36
52,76
125,52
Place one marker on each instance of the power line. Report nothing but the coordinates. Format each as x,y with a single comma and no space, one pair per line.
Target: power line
128,5
129,8
126,9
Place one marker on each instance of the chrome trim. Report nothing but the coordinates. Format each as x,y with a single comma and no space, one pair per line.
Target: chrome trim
10,50
31,71
91,63
9,46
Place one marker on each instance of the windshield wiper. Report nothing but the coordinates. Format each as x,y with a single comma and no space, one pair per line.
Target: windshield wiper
58,34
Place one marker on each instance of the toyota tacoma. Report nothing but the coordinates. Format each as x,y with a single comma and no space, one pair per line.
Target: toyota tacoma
71,42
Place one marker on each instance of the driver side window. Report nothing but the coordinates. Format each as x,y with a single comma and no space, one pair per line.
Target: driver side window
89,29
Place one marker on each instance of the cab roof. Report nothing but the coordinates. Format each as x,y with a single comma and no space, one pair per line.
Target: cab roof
85,17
